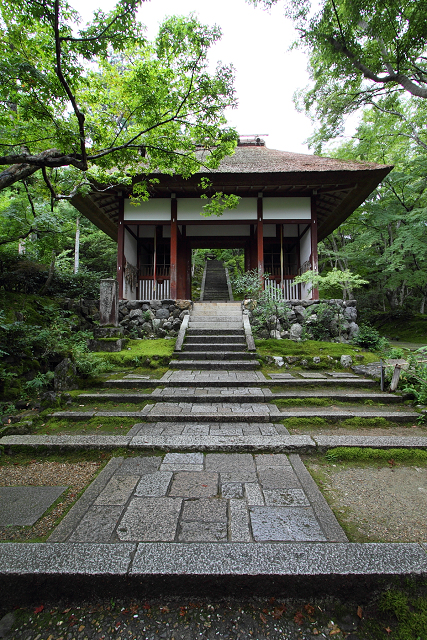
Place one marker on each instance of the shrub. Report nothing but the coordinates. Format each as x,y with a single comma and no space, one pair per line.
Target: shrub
369,338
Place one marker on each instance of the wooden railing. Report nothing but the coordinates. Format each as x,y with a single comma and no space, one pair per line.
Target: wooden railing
289,291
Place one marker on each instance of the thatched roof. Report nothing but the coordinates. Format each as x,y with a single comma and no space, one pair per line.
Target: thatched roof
339,186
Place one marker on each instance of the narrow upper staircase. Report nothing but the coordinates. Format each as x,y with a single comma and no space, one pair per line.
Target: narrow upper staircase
215,283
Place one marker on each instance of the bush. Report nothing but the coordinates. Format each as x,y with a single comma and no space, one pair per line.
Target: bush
369,338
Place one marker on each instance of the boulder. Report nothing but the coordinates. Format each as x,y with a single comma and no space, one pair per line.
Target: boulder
350,314
299,312
296,332
275,334
183,304
65,376
135,313
278,361
346,361
162,314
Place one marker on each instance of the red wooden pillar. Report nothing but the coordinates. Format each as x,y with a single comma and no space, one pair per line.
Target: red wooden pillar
260,236
174,247
121,247
314,257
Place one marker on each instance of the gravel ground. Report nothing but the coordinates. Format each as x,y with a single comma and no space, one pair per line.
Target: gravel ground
376,503
46,474
260,619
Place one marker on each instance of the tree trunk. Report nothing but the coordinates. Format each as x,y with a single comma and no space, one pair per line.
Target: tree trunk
422,305
77,247
46,285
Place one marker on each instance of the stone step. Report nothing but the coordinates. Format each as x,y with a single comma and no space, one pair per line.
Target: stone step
198,378
211,331
214,339
215,327
215,346
210,412
231,356
225,394
215,364
229,317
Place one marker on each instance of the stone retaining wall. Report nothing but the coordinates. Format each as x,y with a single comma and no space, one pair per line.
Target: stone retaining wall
152,318
328,320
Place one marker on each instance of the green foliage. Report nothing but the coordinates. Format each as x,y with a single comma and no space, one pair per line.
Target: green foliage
139,353
249,283
102,102
324,315
344,280
410,611
414,380
369,338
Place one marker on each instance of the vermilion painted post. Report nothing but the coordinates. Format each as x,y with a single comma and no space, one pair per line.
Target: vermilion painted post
174,248
260,236
121,247
314,257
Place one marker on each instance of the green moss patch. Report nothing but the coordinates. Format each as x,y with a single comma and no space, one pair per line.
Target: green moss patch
138,353
303,402
295,423
361,454
312,348
94,426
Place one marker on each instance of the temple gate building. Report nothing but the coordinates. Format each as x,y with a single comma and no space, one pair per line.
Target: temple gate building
288,203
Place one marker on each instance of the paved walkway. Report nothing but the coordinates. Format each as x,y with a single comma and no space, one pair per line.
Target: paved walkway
224,496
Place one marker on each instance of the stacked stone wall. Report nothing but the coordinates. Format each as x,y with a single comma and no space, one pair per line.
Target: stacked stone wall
152,318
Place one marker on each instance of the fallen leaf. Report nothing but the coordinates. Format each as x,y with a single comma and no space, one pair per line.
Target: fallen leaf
81,628
164,609
309,608
298,617
66,610
39,609
263,618
334,631
387,630
360,612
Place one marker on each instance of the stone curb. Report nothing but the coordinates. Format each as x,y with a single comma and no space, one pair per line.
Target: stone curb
277,444
79,570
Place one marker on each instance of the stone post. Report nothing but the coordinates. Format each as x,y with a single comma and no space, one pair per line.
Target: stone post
109,302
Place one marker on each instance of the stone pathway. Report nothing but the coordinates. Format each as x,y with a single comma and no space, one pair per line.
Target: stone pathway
226,493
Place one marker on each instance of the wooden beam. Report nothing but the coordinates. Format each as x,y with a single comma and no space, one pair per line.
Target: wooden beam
92,212
121,249
173,248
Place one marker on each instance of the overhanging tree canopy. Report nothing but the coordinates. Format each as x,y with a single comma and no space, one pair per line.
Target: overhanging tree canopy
101,101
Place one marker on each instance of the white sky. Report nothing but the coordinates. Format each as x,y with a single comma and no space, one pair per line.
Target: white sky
256,42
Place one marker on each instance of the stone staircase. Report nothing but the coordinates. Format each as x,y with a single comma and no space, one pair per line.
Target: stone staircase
215,286
226,500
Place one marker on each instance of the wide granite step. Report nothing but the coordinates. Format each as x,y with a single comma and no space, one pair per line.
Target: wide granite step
214,346
214,365
210,412
209,339
230,356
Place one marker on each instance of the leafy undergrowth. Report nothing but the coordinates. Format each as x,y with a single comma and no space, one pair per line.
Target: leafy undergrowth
368,454
310,349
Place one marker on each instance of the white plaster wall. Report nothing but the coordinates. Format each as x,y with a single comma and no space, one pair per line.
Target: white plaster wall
286,208
131,256
153,209
190,208
222,230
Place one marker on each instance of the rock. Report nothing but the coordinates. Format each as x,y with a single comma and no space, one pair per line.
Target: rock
176,324
296,332
136,313
161,332
299,312
249,304
353,330
155,304
350,314
176,313
275,334
146,327
316,360
50,399
263,334
183,314
346,361
278,361
157,324
162,314
65,376
183,304
6,624
291,359
304,363
349,303
167,325
285,335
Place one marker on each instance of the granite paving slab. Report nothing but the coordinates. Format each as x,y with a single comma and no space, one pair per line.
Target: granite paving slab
23,506
225,498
